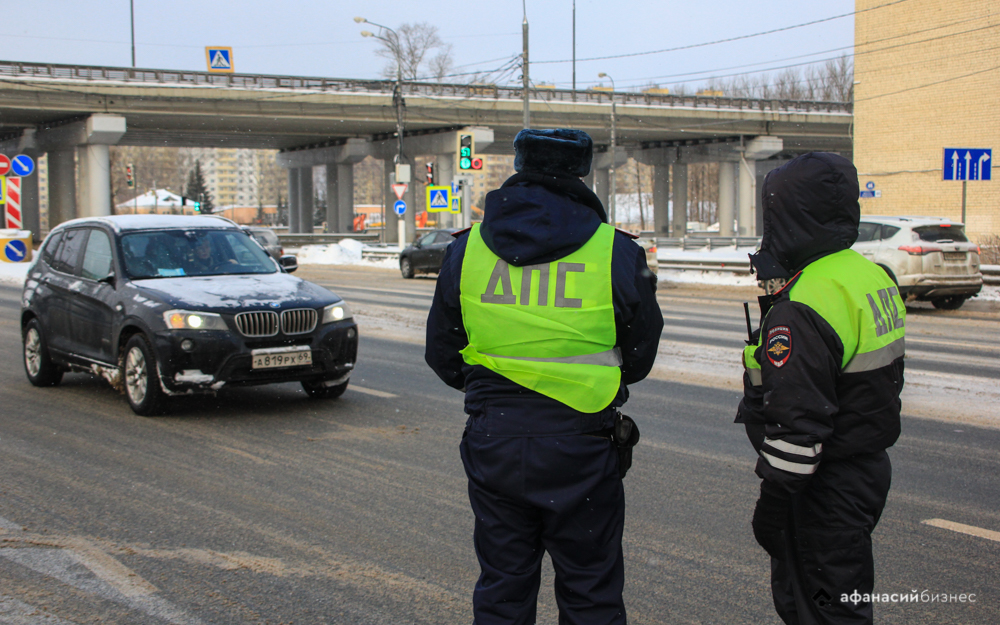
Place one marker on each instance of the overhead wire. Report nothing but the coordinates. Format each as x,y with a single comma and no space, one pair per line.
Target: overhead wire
720,41
824,60
800,56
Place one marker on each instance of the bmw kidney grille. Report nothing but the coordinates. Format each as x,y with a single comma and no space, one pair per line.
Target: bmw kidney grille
257,323
298,321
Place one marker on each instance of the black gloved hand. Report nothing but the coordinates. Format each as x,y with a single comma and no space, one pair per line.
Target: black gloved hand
770,521
754,337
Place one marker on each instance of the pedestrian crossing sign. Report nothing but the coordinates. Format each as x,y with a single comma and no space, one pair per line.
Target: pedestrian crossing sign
438,198
220,59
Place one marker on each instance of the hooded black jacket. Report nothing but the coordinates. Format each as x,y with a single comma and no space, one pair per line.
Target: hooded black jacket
537,218
811,210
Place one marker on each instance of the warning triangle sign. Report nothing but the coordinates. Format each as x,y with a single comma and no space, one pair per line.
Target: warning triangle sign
399,189
220,60
439,200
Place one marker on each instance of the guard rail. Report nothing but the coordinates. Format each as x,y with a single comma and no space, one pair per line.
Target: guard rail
709,243
477,91
298,240
991,274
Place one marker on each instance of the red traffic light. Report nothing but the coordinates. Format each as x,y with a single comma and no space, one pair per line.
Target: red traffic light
477,163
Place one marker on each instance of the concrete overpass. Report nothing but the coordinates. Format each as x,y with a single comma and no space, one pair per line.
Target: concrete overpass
59,109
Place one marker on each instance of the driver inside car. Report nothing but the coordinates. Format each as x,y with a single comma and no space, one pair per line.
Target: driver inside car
205,257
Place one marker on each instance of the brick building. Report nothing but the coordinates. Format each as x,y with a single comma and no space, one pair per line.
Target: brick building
927,77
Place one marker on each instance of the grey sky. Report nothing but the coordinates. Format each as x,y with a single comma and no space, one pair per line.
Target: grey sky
315,38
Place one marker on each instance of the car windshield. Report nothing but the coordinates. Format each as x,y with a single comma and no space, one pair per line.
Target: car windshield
174,253
941,233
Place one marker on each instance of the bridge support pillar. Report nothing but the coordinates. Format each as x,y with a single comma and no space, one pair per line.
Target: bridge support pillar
91,138
306,200
727,197
62,186
293,200
753,150
340,197
95,184
678,223
661,159
661,200
601,172
747,222
602,187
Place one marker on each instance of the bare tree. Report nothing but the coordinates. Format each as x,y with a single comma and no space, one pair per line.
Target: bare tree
833,81
440,66
410,46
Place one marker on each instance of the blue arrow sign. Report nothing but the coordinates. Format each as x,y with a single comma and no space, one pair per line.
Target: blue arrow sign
15,251
968,163
399,207
22,165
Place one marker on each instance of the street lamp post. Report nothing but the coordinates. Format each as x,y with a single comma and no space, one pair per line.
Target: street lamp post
614,155
397,94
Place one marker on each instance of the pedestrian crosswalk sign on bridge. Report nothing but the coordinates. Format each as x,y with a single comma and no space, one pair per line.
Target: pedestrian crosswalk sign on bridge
438,198
220,59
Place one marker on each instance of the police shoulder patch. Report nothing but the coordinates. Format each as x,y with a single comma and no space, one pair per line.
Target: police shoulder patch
779,345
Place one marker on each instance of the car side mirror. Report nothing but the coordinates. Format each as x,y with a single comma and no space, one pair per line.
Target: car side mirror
108,279
289,262
416,243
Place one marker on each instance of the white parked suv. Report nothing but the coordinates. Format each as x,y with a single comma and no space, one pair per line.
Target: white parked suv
930,258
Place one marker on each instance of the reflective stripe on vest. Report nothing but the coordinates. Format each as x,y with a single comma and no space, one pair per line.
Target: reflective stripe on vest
548,327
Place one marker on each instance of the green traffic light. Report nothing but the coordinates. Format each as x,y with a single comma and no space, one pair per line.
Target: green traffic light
465,163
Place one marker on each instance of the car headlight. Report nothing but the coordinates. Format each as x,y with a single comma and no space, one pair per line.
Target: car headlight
336,312
187,320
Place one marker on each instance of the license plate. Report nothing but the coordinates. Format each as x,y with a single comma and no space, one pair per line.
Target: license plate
281,357
954,255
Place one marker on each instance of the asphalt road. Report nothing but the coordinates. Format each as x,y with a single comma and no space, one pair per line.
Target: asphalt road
262,506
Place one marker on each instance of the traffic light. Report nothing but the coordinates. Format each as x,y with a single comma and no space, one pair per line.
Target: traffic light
130,175
467,159
430,174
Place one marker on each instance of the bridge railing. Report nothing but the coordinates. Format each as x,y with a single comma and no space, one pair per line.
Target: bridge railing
474,91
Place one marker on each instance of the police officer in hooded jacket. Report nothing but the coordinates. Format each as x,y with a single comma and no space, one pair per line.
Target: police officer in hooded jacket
821,393
543,314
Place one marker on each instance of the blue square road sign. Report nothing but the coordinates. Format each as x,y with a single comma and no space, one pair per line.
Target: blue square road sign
968,163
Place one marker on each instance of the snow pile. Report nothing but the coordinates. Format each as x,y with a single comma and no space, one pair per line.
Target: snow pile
13,273
726,278
989,293
347,252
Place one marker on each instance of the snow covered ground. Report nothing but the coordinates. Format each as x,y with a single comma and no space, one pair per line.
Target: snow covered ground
347,252
13,273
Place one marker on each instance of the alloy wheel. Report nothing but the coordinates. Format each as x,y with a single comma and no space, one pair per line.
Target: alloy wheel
33,351
136,375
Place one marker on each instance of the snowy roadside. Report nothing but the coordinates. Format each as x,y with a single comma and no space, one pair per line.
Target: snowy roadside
13,274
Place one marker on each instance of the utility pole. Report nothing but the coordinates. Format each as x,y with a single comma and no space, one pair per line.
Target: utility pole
611,172
131,6
574,50
524,64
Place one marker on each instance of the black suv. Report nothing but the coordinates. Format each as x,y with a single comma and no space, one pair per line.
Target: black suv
162,305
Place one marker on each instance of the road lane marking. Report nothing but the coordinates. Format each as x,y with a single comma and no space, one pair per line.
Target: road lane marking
371,391
971,530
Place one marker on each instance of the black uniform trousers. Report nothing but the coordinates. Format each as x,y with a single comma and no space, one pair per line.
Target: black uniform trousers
828,543
559,494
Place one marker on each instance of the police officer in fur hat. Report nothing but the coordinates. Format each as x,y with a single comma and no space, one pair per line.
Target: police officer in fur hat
543,314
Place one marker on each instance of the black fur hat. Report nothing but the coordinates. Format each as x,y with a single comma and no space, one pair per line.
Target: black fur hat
555,151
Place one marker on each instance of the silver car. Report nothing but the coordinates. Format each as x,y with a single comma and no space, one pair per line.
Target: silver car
930,258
